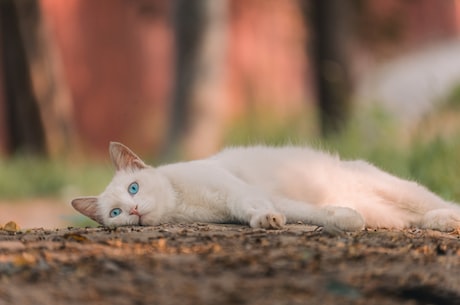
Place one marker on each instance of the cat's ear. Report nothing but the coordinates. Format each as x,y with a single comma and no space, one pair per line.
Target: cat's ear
88,207
124,159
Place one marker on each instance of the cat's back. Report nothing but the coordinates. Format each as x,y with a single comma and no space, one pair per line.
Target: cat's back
269,152
264,159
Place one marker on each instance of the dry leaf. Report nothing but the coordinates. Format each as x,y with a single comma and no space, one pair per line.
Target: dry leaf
11,226
75,237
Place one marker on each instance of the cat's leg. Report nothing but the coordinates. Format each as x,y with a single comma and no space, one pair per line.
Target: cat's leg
333,218
235,199
400,203
415,205
441,220
258,211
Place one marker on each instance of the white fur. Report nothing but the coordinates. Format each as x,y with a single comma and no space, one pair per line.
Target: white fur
267,187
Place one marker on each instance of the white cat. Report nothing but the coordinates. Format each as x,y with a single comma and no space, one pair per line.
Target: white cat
265,187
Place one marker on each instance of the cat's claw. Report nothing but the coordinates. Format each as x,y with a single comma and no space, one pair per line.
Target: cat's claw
268,221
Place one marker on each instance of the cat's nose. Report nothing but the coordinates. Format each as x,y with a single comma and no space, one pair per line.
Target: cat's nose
134,211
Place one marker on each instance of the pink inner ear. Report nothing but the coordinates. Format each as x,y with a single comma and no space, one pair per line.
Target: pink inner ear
88,207
123,158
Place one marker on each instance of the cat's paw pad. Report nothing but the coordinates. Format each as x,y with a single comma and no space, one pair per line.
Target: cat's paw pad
268,221
343,219
441,220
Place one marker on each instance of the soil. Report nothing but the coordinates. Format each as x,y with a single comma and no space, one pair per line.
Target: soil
228,264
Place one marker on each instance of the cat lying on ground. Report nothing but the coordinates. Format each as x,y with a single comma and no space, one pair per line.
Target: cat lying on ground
265,187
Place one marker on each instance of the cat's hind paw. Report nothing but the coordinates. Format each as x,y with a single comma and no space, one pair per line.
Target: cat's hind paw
268,221
441,219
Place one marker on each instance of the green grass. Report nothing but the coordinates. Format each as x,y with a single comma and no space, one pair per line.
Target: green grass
25,177
267,128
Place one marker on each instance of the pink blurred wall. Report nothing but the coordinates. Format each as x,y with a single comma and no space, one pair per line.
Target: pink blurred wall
118,58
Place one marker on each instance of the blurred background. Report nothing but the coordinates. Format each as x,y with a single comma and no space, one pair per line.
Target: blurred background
181,79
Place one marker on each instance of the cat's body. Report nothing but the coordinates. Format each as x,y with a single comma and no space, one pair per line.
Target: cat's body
265,187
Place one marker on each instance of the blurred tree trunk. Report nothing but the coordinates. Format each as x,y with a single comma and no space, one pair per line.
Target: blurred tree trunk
39,109
330,23
201,35
47,78
24,128
188,23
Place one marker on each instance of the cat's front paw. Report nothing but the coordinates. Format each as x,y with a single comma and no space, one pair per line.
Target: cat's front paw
268,221
342,219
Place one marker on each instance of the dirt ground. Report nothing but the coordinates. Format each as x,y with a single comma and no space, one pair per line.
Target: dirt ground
228,264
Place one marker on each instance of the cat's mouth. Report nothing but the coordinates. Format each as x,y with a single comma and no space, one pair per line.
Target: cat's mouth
135,211
141,221
143,217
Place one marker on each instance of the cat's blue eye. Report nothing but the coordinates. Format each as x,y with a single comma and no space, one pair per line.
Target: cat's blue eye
133,188
115,212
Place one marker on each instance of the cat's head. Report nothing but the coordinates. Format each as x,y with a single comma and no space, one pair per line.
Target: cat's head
137,194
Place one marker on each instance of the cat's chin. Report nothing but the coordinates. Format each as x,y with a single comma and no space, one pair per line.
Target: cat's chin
145,220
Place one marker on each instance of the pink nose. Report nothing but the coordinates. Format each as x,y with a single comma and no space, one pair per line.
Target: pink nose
134,211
